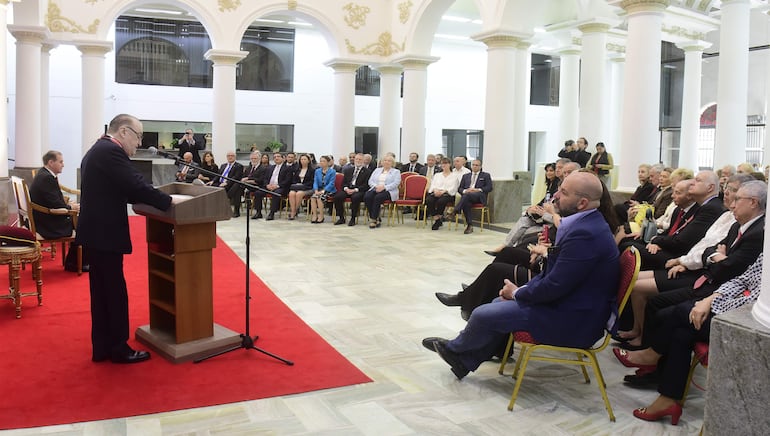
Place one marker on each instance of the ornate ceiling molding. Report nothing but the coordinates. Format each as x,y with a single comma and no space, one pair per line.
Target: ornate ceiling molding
356,15
404,11
292,5
58,23
638,6
684,32
228,5
616,48
383,47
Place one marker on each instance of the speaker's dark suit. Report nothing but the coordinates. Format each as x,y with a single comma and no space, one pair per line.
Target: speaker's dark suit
285,174
45,191
483,182
361,184
109,182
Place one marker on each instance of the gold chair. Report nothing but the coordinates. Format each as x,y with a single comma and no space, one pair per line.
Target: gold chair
15,257
629,271
700,356
26,219
484,214
415,187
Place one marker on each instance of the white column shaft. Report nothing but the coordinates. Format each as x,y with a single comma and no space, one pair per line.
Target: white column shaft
732,87
499,111
390,112
521,103
223,117
688,141
343,118
413,111
92,62
640,137
569,91
3,91
27,143
45,124
593,107
616,110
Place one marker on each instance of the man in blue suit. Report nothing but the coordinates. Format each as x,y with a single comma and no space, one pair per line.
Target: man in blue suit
568,304
474,187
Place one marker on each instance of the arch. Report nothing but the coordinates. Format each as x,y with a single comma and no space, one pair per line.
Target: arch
419,36
262,79
333,36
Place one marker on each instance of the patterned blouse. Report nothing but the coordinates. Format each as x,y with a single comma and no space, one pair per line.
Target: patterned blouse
741,290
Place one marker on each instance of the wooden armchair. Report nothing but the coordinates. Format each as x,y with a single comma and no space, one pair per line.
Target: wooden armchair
26,219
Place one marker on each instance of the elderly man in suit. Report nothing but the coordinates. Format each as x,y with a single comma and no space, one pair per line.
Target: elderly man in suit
186,170
474,187
45,191
233,170
109,183
191,144
566,305
277,180
355,183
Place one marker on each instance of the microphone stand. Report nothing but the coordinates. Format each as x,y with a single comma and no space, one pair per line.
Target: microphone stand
247,341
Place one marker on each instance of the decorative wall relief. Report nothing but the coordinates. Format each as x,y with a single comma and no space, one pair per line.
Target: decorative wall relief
356,15
57,23
228,5
91,2
292,5
404,10
383,47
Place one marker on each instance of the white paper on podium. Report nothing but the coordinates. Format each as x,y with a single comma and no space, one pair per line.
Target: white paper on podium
178,198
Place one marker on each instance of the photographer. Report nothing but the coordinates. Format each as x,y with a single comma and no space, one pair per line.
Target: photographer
188,143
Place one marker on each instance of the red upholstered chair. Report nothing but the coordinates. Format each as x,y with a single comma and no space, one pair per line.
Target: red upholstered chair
415,187
484,214
700,355
330,199
629,271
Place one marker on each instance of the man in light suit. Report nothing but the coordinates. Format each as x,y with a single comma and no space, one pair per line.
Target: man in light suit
566,305
474,187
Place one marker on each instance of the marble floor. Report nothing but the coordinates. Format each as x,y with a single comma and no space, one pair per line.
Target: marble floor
370,294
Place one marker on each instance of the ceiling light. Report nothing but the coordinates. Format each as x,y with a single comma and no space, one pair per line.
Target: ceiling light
268,20
299,23
158,11
539,30
477,22
455,37
456,19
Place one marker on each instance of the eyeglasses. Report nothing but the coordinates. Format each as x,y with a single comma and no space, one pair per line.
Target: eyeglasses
736,198
135,133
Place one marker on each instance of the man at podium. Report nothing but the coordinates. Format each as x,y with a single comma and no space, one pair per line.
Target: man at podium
109,183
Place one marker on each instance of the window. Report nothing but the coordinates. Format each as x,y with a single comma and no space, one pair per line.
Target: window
544,85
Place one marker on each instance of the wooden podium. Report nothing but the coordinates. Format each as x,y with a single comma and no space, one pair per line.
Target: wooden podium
179,252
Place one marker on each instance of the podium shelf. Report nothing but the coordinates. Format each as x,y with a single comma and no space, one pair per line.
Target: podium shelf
163,275
166,307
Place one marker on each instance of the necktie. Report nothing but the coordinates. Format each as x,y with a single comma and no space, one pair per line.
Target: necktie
411,168
227,171
355,176
676,223
429,173
737,238
473,179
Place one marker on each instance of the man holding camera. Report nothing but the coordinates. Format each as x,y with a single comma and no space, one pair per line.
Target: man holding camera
188,144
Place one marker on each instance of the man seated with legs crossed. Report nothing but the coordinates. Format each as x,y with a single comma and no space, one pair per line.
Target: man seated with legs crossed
474,187
568,304
355,183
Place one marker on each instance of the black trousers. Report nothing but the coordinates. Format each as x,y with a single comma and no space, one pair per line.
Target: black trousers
674,337
374,200
355,202
275,202
654,311
436,205
109,303
487,285
513,255
466,203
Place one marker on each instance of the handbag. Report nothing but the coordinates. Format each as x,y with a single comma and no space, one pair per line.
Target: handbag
649,229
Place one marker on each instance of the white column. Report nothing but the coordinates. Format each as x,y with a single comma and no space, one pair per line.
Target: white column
640,137
521,103
761,309
766,153
593,85
343,130
223,109
618,69
92,76
413,105
569,92
389,139
499,107
733,85
29,40
690,124
45,125
3,89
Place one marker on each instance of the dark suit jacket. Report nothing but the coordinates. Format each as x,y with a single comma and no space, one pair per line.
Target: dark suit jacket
285,176
255,174
45,191
362,182
484,182
572,299
109,182
192,172
582,157
417,167
739,256
307,181
236,172
662,200
184,147
424,170
568,154
692,230
644,193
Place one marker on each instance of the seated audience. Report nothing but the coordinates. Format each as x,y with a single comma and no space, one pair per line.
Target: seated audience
561,306
232,170
412,166
383,186
673,338
277,180
186,171
664,196
473,189
208,164
301,186
354,185
442,191
431,167
323,186
644,193
252,175
664,221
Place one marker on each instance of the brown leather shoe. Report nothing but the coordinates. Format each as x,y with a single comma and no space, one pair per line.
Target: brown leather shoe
468,230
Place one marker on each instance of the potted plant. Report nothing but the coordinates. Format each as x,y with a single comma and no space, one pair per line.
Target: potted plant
274,145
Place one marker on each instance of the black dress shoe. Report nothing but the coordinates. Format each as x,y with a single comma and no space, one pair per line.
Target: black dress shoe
132,356
464,286
99,358
270,217
352,222
74,268
236,214
448,299
452,359
468,230
339,222
642,380
492,253
465,314
428,342
256,216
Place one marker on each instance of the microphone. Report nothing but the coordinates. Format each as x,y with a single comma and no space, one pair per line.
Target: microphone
165,154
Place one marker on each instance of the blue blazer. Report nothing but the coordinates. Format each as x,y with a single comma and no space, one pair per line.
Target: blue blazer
571,301
325,182
484,182
391,182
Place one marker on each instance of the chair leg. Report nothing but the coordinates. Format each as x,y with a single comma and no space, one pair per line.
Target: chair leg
583,368
508,350
14,274
693,365
80,259
523,357
601,383
37,275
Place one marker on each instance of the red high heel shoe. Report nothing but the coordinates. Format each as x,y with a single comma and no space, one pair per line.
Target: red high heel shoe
675,411
622,356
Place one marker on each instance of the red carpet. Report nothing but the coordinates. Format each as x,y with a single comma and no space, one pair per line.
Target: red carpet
48,377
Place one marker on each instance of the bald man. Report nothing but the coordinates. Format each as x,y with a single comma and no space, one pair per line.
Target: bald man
568,304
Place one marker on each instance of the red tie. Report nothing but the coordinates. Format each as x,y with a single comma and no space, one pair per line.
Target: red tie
677,221
737,238
700,281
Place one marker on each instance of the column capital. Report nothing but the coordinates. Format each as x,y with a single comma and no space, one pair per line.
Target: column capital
569,50
340,65
693,45
225,57
47,46
415,62
393,69
29,34
594,26
646,6
4,2
94,48
501,39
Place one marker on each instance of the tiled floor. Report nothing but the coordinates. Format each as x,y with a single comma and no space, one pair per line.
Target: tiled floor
370,294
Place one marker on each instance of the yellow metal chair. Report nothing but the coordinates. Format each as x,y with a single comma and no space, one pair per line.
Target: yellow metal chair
629,271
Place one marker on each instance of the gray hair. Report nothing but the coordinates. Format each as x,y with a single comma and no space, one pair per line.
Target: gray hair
758,190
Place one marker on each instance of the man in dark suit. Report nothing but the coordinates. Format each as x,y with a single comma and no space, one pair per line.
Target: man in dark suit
277,180
190,143
109,183
45,191
254,174
412,166
370,162
474,187
566,305
186,170
355,183
233,170
430,168
569,150
581,156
